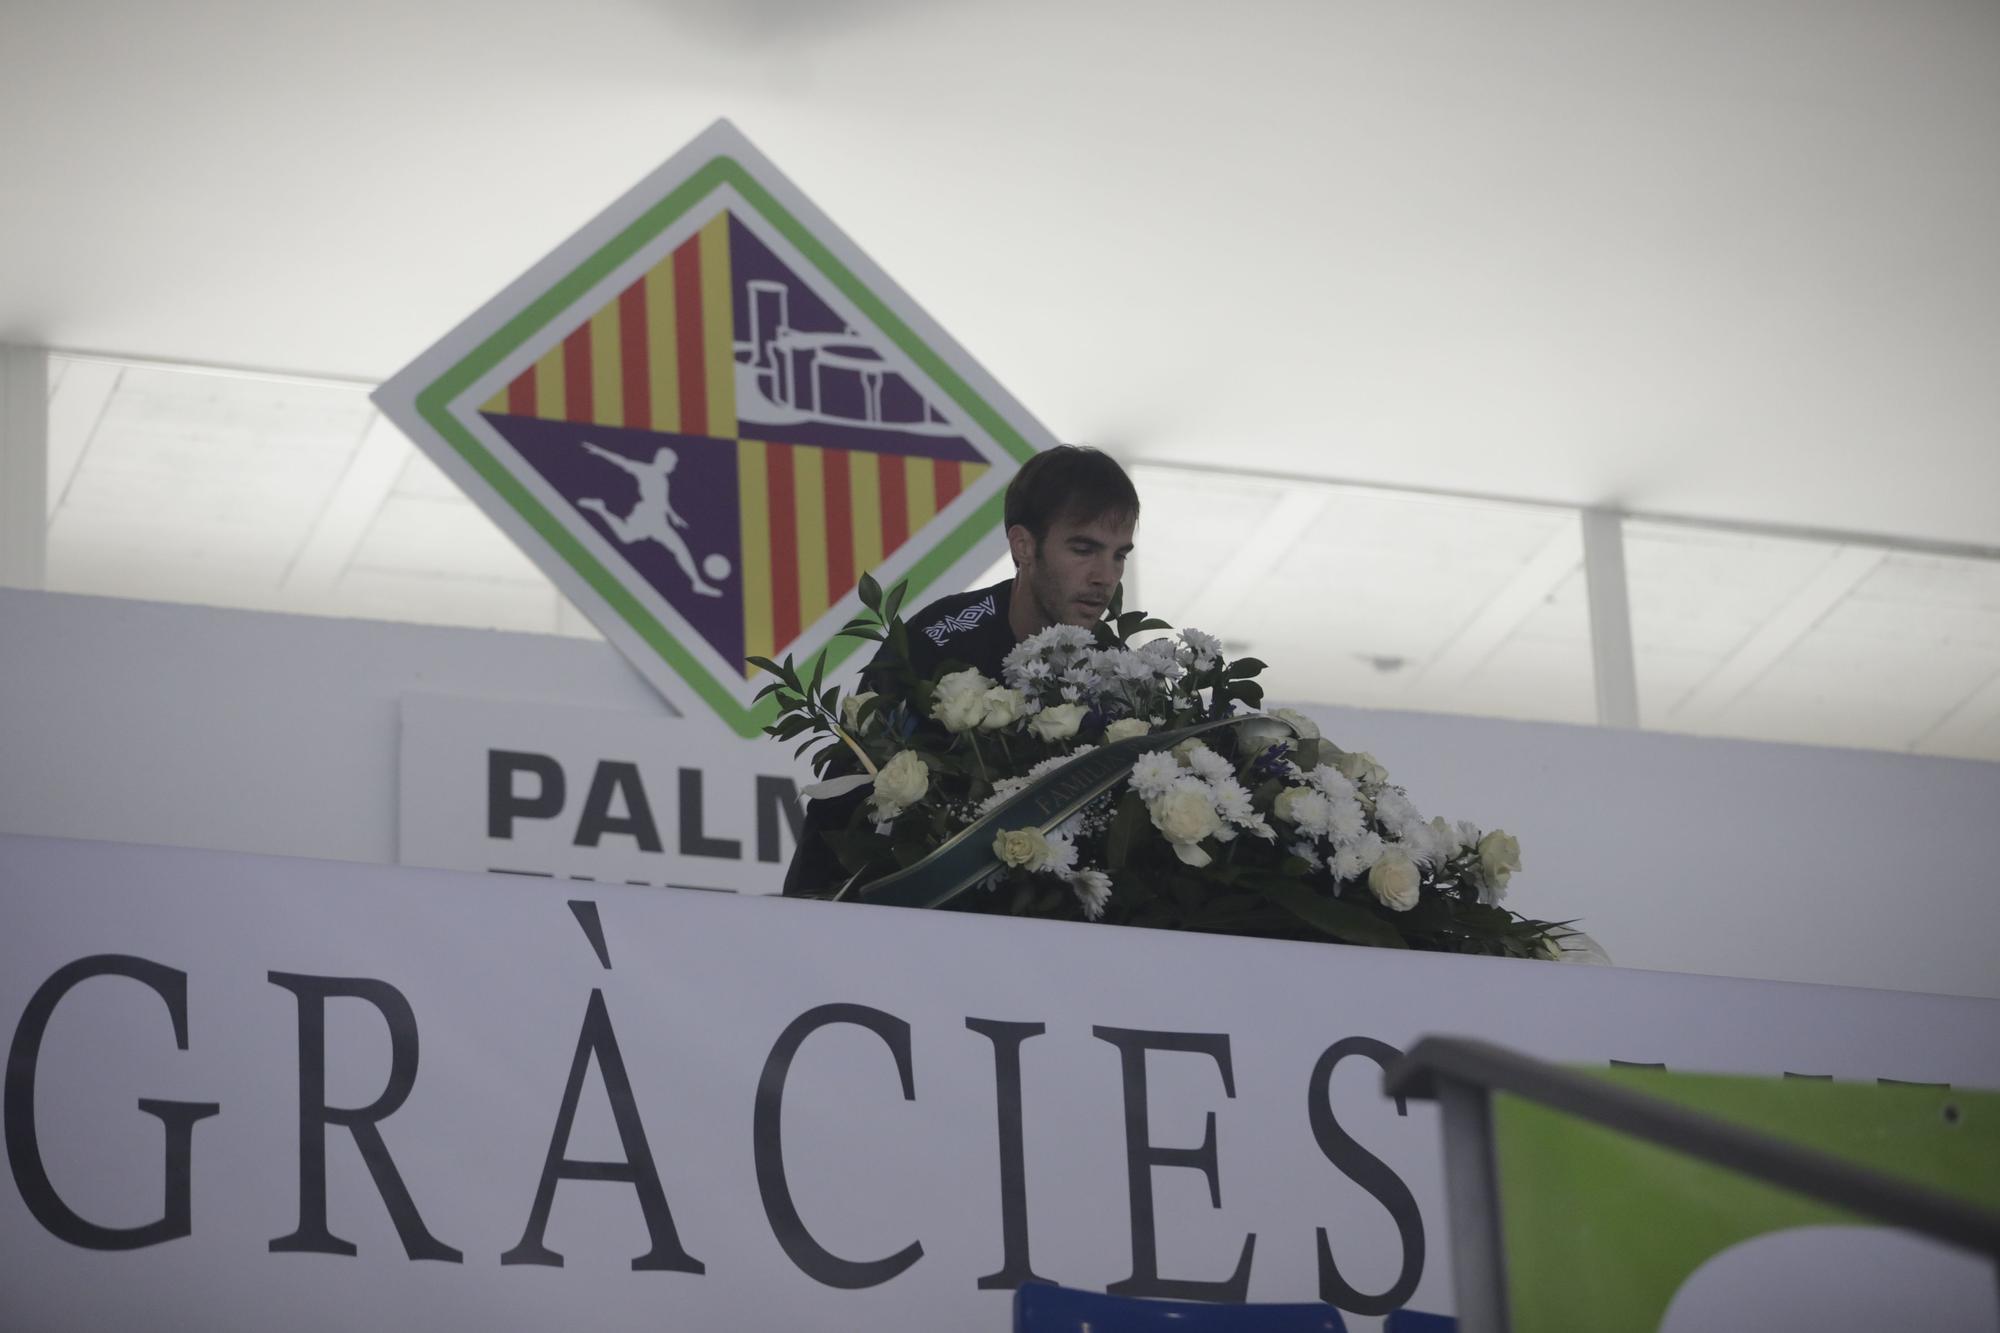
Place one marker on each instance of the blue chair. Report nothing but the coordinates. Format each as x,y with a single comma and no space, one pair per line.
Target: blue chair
1415,1321
1041,1307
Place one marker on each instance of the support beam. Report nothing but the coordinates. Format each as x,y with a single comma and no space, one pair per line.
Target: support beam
24,463
1611,653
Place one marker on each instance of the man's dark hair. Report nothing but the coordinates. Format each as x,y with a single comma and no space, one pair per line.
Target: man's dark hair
1069,481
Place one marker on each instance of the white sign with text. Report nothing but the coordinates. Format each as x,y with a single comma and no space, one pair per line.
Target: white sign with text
594,794
252,1092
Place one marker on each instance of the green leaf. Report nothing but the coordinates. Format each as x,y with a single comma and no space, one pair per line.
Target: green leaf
895,602
765,664
1244,667
871,593
789,727
1116,608
819,670
866,632
1343,921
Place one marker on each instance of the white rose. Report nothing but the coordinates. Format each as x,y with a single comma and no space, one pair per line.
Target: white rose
1021,847
960,701
1258,732
1394,881
1125,728
1499,858
1361,767
1003,708
1304,727
1184,816
850,710
900,784
1058,722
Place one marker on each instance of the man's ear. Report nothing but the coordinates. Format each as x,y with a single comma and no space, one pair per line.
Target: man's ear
1021,545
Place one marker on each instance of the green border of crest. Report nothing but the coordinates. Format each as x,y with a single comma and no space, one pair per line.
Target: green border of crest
435,398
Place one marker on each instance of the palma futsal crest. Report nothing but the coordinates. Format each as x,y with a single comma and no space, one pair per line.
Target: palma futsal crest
707,415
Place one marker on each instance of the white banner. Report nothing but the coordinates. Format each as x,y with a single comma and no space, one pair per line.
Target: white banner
597,794
247,1092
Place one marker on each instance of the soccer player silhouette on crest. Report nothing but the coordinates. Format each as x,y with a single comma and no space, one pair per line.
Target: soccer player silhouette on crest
652,518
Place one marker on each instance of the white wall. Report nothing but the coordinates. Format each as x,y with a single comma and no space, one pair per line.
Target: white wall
192,726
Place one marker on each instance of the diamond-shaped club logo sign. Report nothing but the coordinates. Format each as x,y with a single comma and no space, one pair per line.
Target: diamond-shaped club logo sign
706,415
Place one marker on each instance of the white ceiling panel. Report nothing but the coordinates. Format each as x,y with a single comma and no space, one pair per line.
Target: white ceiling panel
1727,260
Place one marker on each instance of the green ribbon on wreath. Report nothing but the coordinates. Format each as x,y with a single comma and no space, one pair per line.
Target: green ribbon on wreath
968,856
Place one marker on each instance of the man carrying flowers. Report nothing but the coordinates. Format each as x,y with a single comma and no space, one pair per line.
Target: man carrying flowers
1070,515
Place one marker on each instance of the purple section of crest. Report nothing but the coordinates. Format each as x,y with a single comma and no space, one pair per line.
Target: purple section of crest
819,382
701,488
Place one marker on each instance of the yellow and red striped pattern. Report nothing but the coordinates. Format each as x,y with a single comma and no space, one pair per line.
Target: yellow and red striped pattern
659,356
815,519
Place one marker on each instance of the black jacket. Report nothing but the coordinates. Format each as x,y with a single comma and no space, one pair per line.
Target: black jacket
970,628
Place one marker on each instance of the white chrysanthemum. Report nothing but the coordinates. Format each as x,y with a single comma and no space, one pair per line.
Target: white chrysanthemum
1002,789
1093,891
1308,853
1346,822
1442,842
1204,651
1153,774
1332,783
1054,762
1397,813
1124,664
1069,639
1026,675
1467,834
1232,802
1311,812
1206,763
1417,849
1061,858
1161,659
1359,857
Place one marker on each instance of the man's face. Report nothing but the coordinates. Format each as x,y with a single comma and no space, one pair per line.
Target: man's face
1071,573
